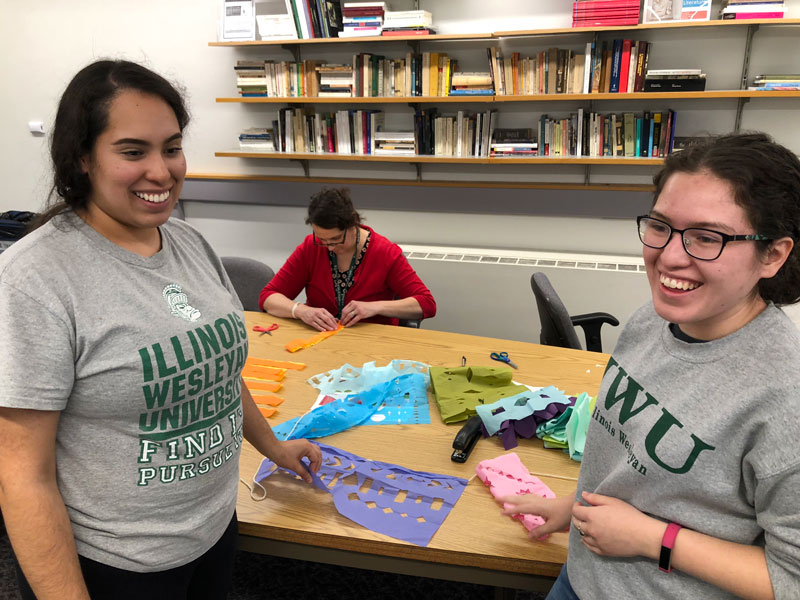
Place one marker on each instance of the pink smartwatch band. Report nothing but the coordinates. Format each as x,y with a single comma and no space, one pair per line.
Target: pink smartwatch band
667,544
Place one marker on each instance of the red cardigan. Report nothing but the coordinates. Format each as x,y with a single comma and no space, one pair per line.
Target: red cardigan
382,274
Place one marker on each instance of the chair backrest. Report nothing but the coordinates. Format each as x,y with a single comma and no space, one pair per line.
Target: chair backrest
249,276
557,327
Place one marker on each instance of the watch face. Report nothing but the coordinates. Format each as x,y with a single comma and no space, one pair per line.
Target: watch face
665,560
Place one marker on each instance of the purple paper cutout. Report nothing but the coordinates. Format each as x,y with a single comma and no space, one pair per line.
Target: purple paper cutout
402,503
526,428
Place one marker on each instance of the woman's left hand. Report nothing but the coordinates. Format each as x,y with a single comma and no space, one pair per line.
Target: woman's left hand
356,311
612,527
289,454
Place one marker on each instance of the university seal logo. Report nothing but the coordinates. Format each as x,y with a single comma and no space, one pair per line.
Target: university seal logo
179,304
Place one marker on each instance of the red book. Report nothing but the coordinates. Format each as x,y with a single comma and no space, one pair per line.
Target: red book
409,32
624,66
759,15
606,22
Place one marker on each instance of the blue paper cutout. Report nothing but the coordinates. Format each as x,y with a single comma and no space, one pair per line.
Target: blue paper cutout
389,499
514,408
399,398
348,379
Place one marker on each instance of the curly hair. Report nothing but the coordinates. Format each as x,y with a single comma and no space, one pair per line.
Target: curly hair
332,209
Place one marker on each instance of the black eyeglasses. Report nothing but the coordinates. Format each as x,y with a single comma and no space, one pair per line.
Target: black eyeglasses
699,243
329,243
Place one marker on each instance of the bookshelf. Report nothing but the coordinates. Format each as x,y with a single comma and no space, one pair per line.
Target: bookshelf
740,97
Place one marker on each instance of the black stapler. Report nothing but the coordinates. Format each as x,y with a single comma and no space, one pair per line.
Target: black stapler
466,438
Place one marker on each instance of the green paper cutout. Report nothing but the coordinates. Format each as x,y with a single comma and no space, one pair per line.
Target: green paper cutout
458,390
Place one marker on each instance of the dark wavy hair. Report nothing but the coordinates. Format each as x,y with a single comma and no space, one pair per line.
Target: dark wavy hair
765,179
83,115
332,209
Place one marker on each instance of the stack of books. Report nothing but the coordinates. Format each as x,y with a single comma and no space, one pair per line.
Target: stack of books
408,22
257,139
776,81
362,19
591,13
398,143
675,80
471,84
251,78
513,142
335,80
753,9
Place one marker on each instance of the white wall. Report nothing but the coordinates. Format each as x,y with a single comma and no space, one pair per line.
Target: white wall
46,42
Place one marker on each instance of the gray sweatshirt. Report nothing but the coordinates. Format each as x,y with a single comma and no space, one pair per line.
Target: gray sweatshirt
141,357
704,435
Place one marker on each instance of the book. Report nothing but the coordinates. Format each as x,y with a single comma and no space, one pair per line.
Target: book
625,59
753,15
616,66
695,10
695,84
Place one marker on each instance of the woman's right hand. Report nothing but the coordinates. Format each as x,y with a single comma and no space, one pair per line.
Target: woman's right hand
318,318
556,512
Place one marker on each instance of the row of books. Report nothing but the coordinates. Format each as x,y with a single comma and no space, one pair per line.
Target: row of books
362,132
752,9
615,67
362,19
675,80
591,13
776,81
593,134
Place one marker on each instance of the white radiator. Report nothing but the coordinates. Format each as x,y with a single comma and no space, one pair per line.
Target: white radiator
487,292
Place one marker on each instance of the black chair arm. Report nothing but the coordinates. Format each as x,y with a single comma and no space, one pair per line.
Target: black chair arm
413,323
591,323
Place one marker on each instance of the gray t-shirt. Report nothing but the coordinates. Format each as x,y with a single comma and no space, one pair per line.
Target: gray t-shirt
142,357
704,435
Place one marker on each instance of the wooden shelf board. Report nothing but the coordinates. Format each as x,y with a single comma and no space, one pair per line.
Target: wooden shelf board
711,94
509,34
645,26
622,187
359,40
550,160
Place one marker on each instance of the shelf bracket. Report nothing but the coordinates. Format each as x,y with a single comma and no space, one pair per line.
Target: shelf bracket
739,110
303,163
748,48
418,167
586,175
295,50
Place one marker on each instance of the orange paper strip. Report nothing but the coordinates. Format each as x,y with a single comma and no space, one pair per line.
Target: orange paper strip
268,400
267,411
280,364
268,373
267,386
296,345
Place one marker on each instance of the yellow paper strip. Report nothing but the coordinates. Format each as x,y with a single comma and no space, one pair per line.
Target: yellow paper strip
259,372
280,364
296,345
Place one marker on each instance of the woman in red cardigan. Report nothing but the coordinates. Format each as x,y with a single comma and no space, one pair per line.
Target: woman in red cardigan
350,273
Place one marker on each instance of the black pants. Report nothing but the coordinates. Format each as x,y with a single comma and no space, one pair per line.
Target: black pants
205,578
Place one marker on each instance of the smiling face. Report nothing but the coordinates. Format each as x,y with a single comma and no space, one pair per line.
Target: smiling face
708,299
136,170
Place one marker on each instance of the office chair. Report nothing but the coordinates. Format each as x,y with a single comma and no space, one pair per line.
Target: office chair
248,276
558,327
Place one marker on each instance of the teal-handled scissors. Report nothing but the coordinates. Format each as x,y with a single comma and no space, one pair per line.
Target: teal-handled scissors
502,357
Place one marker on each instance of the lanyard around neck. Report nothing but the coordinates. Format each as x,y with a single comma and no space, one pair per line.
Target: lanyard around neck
341,291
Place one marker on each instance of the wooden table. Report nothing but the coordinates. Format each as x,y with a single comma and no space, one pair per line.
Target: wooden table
476,543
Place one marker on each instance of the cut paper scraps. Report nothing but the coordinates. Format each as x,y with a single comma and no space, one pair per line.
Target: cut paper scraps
407,405
385,498
520,415
262,378
266,404
278,364
298,344
507,476
357,409
568,430
458,390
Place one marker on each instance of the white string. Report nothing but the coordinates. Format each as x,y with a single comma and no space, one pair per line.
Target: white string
252,489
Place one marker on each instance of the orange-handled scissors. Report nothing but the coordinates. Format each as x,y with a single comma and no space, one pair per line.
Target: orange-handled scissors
267,330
